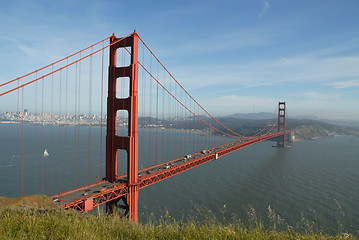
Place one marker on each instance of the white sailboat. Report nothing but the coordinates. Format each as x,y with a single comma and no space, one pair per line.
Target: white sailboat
46,153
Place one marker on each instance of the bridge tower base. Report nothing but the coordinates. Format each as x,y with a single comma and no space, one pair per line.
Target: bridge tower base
281,124
130,142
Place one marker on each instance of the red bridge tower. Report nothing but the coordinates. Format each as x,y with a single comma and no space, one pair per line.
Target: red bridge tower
281,124
130,142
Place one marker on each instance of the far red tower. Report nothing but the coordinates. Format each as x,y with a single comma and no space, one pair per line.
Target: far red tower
281,124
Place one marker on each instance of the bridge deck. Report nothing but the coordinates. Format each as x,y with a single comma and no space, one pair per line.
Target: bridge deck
87,197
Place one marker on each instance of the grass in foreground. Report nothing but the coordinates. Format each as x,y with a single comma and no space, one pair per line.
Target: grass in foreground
59,224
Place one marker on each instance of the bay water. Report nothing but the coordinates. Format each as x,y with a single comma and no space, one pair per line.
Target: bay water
313,184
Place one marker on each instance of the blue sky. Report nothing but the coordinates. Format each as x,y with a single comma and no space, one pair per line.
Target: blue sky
232,56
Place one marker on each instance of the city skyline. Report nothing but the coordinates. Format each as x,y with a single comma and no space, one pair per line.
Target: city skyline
232,56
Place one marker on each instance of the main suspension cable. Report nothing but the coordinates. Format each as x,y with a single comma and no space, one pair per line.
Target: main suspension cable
51,64
59,69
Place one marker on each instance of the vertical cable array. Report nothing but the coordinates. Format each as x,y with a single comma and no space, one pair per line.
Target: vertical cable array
58,155
167,106
70,93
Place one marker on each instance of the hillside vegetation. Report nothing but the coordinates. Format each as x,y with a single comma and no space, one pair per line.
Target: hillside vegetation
24,222
32,201
303,128
309,129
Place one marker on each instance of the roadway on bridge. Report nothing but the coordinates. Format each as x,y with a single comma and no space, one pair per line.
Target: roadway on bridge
89,196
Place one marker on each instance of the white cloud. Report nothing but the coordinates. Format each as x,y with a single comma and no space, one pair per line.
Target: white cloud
314,96
329,105
32,52
271,72
220,41
349,45
233,103
264,8
345,84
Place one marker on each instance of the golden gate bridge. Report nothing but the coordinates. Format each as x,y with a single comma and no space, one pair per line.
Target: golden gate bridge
152,128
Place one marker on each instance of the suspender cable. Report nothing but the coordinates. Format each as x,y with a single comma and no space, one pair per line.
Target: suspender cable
150,118
169,114
157,119
51,126
36,147
90,116
66,116
78,127
143,160
101,119
75,128
163,118
42,135
22,143
17,140
59,119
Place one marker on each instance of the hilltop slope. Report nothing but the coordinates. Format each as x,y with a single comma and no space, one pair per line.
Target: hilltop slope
30,202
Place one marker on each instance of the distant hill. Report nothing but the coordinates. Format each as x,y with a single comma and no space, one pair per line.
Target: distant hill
257,116
268,115
309,129
303,128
